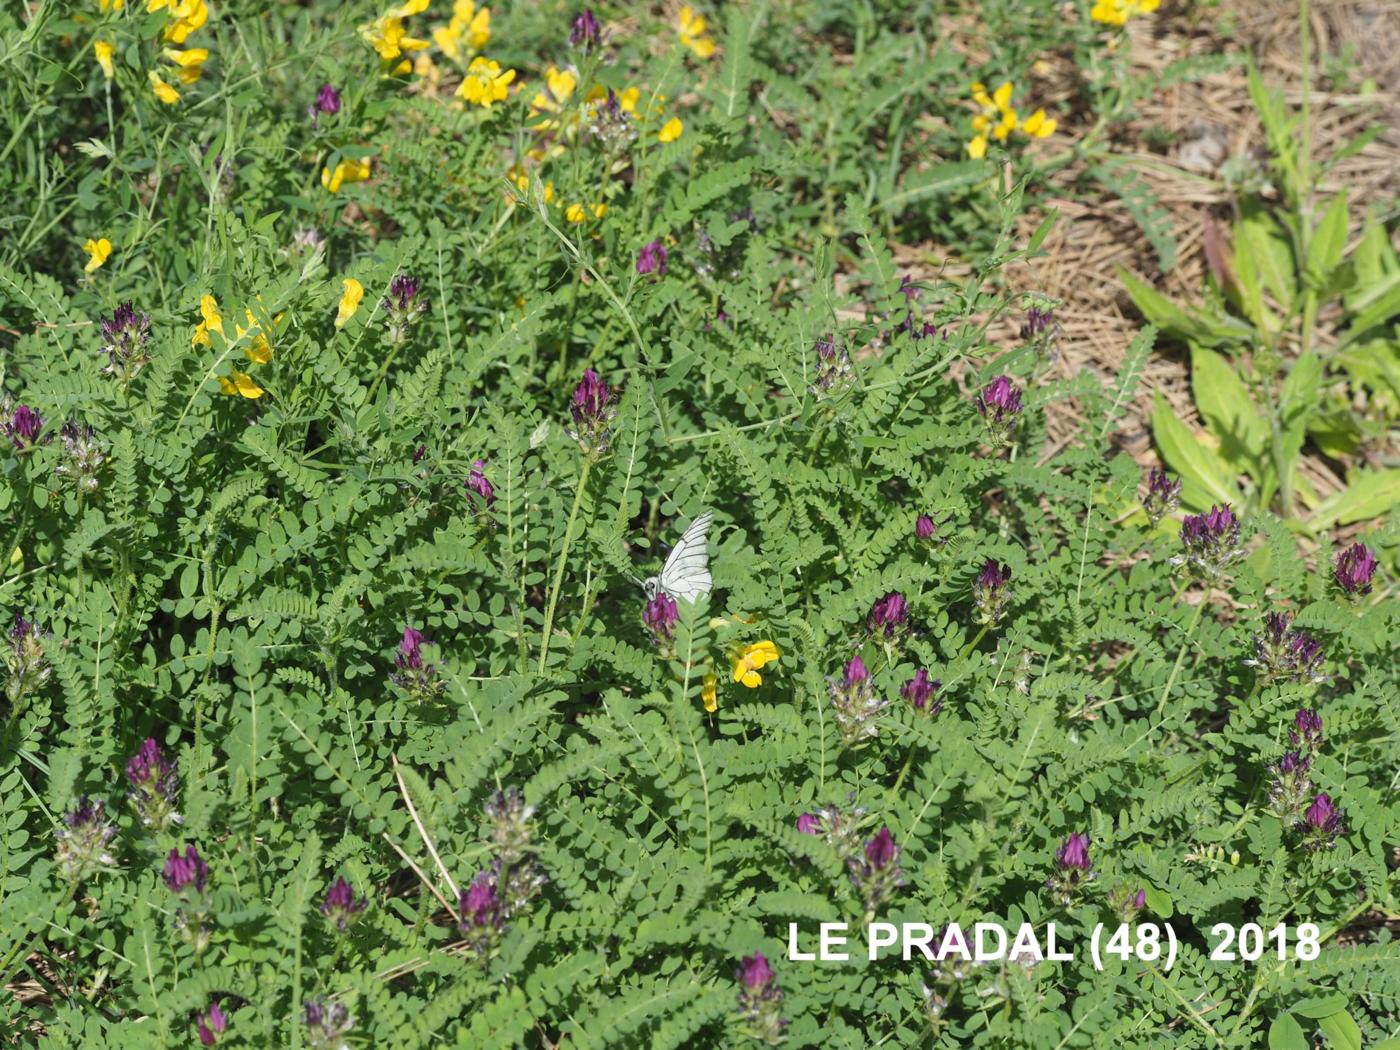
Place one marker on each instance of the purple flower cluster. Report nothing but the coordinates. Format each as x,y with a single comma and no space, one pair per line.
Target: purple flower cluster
413,674
584,32
513,879
1283,654
925,528
341,907
28,666
834,369
1315,817
876,874
991,591
477,484
185,871
327,1024
653,258
210,1024
1355,568
125,338
610,126
888,617
402,306
482,915
760,1000
1163,494
1073,869
327,102
1210,541
593,412
82,458
1323,823
21,425
920,690
855,704
1042,333
83,840
660,615
842,831
1000,406
154,786
1126,902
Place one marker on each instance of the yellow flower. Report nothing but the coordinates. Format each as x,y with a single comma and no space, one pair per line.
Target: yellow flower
559,84
692,27
977,148
521,179
748,662
164,91
574,213
578,212
1038,125
241,384
258,350
485,83
671,130
708,693
998,119
390,39
185,17
98,250
104,50
468,26
349,300
189,62
1117,12
209,310
345,171
111,5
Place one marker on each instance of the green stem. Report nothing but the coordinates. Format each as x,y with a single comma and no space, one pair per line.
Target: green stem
1181,652
563,561
967,649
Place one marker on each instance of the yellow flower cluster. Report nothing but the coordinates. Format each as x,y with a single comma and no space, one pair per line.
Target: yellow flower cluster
999,119
258,349
97,250
693,31
747,662
1117,12
389,37
345,171
184,17
468,32
485,83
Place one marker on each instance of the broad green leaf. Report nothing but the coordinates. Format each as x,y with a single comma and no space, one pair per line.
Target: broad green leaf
1206,477
1227,407
1287,1034
1370,494
1159,901
1341,1031
1329,239
1258,237
1165,314
1320,1005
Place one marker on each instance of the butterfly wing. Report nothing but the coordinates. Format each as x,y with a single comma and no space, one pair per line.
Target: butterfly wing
687,572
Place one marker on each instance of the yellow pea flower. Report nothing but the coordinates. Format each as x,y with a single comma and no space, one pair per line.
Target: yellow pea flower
977,148
750,659
671,130
350,298
98,251
164,91
110,5
241,384
692,29
103,51
1038,125
709,693
390,39
185,17
258,350
468,26
345,171
189,62
485,83
209,310
1117,12
574,213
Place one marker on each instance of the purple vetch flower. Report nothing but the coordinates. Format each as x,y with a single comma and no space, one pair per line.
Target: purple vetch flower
304,241
1323,823
22,426
1072,868
888,617
592,411
210,1024
809,824
660,615
585,33
183,871
909,289
82,458
25,660
341,907
1163,494
919,690
481,917
422,450
1127,902
1307,729
1291,789
1042,332
155,786
991,591
512,827
834,369
925,527
760,999
915,327
652,258
1354,569
1210,541
476,482
1283,654
125,338
609,124
1000,406
83,840
842,831
327,101
327,1024
876,874
413,674
402,306
855,704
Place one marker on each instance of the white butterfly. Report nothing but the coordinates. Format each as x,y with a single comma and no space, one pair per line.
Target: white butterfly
687,570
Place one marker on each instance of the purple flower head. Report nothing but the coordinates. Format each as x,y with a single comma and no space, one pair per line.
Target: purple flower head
402,306
186,870
888,616
412,673
1307,729
154,785
1000,406
125,337
1042,332
652,258
920,689
856,673
809,824
925,527
82,457
857,708
592,411
1323,822
1073,853
1291,789
477,482
585,33
754,973
1140,899
23,426
875,871
760,999
880,851
991,591
411,649
327,1024
1283,654
419,453
341,907
1037,321
1163,494
1355,567
211,1024
327,101
660,615
482,915
1210,540
909,289
1292,763
403,290
834,369
83,840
